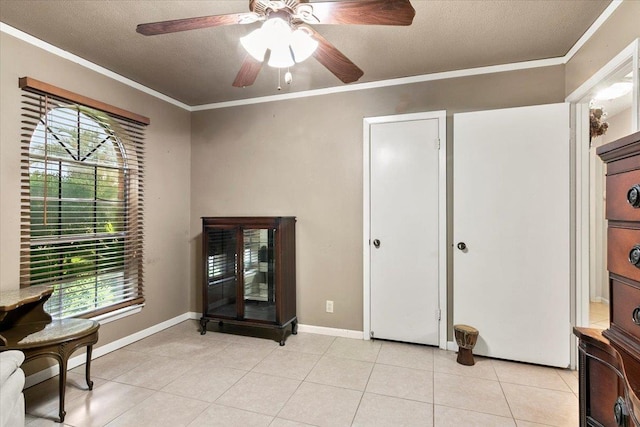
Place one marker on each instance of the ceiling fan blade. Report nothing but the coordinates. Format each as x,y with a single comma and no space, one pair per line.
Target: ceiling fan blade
334,60
248,72
176,25
364,12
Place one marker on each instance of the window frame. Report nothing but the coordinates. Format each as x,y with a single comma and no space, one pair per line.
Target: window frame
126,131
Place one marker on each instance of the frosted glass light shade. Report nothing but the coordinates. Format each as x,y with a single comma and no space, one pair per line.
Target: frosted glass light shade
255,43
276,31
614,91
286,47
281,56
302,45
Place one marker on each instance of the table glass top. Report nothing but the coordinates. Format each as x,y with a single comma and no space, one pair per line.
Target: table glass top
10,300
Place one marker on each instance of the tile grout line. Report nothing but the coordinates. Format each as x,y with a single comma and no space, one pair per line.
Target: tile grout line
303,381
375,361
503,392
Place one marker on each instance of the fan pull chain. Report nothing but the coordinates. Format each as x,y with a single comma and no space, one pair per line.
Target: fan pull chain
288,77
279,87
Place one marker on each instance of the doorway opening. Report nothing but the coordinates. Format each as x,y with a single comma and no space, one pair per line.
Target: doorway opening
607,108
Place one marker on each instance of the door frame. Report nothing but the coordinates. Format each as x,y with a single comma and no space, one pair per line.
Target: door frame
441,116
581,176
628,55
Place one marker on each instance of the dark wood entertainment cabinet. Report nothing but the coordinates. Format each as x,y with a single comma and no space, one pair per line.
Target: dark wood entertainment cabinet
609,362
249,272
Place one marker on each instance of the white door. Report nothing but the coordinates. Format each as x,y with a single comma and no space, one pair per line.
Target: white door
404,225
511,211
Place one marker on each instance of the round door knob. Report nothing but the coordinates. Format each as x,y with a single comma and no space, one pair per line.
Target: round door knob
462,246
633,196
376,243
634,256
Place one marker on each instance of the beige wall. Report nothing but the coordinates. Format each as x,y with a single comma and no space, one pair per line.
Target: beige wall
622,28
166,262
300,157
619,125
303,157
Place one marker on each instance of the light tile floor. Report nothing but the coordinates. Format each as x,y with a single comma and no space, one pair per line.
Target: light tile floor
180,378
598,315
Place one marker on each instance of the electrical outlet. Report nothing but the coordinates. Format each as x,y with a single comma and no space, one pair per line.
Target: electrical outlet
329,306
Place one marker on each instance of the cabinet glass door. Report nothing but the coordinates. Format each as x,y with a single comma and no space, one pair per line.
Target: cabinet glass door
222,278
259,274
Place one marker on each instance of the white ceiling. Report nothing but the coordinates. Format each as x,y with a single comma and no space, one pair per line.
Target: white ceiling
197,67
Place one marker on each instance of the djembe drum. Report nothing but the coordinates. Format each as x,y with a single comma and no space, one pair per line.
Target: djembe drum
466,338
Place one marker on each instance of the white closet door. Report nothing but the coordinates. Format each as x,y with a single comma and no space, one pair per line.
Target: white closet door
511,210
404,207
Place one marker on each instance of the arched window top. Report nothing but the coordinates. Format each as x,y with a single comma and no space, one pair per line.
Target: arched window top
76,134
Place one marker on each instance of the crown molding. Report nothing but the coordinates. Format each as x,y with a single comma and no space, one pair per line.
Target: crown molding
325,91
592,29
21,35
386,83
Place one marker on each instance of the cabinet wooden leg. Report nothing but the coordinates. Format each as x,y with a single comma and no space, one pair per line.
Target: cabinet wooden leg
203,325
294,327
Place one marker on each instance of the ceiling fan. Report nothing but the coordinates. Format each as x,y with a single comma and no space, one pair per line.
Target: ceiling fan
297,15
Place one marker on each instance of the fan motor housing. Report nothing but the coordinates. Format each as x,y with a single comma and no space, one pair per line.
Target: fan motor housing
262,6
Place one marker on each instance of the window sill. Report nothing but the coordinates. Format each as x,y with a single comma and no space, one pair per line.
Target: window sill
118,314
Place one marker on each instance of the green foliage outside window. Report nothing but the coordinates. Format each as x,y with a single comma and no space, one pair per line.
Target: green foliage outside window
77,189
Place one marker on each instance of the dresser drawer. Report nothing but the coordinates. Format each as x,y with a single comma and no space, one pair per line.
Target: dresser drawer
623,194
625,300
621,243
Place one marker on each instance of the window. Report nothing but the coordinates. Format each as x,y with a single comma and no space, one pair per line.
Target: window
82,173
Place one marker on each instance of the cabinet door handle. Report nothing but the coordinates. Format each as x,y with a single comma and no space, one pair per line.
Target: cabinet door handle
634,256
376,243
635,316
633,196
620,412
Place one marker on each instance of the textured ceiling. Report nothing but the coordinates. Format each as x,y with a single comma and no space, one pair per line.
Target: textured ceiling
197,67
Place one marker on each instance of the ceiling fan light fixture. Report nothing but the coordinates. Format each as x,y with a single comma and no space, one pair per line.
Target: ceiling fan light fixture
255,44
614,91
302,45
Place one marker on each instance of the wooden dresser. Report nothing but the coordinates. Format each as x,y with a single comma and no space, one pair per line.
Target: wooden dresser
610,360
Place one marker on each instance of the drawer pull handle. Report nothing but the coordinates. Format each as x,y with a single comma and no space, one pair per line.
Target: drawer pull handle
620,412
633,196
634,256
635,316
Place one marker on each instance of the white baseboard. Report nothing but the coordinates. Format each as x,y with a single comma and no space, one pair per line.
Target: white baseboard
311,329
452,346
334,332
76,361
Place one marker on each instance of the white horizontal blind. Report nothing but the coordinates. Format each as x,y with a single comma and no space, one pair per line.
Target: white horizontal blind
221,261
81,205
